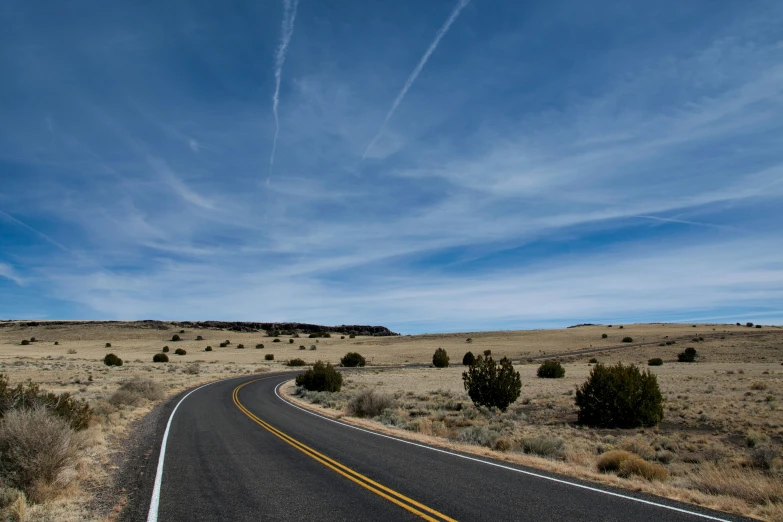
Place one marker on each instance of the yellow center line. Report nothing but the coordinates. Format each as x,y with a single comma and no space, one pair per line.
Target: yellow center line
367,483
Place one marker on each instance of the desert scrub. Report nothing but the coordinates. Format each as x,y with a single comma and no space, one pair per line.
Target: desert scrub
655,361
112,360
627,339
492,384
160,358
440,359
269,357
134,391
353,359
543,447
296,362
689,355
39,452
29,396
321,378
468,358
626,464
369,403
551,370
180,351
619,397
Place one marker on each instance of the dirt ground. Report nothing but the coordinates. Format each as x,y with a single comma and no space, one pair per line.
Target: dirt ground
714,407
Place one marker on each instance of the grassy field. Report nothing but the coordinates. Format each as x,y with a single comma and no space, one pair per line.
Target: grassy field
720,441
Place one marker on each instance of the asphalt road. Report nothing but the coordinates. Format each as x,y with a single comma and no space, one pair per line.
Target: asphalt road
273,461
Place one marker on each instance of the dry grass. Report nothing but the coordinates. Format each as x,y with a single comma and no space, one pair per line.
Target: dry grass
716,408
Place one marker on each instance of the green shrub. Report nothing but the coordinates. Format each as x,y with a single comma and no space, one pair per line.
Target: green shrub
655,361
440,359
468,358
321,377
269,357
604,336
342,337
259,346
199,338
758,326
182,331
208,349
551,370
487,353
353,359
619,397
492,384
593,360
689,355
175,338
29,396
112,360
621,327
296,362
627,339
240,346
108,345
290,341
749,324
352,336
160,357
313,348
180,351
369,403
24,342
275,340
223,345
165,349
56,343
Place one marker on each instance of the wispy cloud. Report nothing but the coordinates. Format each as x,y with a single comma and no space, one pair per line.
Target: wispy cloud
35,231
412,78
8,272
286,31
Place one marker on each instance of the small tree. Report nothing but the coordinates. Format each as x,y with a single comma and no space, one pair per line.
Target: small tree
492,384
619,397
112,360
551,370
749,324
353,359
689,355
160,357
487,353
321,377
175,338
468,358
440,359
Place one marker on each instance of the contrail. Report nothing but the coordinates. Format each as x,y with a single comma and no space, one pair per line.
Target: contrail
412,78
287,30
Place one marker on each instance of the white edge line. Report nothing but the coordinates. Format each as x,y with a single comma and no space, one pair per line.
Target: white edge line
152,515
474,459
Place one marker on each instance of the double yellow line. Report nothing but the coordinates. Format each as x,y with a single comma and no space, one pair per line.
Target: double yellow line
425,512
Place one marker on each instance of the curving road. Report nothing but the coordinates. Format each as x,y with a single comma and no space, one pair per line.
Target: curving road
236,451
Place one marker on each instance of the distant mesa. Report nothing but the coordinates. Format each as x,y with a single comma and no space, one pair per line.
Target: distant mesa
235,326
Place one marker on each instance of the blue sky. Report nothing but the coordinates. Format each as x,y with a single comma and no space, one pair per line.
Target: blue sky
438,166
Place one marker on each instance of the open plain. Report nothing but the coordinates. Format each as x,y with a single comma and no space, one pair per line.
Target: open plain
720,441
